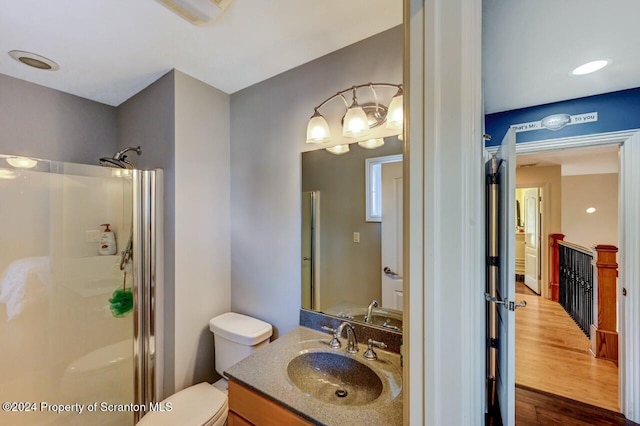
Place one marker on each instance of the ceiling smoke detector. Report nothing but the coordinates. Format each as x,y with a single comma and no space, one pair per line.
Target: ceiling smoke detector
198,12
33,60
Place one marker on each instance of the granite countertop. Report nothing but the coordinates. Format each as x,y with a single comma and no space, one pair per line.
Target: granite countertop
265,371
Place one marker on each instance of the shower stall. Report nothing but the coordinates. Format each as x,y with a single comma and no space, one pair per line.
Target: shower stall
78,330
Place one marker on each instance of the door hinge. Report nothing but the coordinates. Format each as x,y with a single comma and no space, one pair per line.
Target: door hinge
493,343
493,260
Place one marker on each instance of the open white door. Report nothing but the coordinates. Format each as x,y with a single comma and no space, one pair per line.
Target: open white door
391,230
532,238
501,275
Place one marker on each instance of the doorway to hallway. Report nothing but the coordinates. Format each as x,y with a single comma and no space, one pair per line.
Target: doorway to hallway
555,350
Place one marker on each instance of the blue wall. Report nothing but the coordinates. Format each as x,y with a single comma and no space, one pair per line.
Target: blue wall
616,111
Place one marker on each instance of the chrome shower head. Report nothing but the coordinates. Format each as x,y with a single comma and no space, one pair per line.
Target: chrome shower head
119,160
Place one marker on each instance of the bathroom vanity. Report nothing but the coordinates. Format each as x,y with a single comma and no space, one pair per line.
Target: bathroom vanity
299,379
250,408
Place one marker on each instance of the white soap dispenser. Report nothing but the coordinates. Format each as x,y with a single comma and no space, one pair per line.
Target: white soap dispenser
107,241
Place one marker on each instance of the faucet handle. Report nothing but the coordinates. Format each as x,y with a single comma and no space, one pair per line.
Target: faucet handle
334,342
370,353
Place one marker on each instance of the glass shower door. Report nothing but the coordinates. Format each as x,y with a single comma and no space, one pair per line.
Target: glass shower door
65,357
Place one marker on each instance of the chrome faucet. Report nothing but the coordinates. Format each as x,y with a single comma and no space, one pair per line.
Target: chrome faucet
373,304
352,340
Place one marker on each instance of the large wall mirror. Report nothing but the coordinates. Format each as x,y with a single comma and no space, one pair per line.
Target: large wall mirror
352,233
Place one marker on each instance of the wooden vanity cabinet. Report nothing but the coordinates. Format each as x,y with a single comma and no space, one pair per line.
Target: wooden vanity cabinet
246,407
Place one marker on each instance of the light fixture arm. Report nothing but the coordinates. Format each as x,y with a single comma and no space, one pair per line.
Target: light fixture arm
375,96
358,120
353,89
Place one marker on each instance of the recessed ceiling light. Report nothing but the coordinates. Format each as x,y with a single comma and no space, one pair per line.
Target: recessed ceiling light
590,67
591,209
34,60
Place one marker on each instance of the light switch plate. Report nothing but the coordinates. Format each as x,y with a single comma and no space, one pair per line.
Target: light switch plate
356,237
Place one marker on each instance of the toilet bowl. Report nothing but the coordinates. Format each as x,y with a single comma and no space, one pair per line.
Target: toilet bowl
236,336
200,404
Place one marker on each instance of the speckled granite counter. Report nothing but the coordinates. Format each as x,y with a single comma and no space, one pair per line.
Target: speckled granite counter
265,372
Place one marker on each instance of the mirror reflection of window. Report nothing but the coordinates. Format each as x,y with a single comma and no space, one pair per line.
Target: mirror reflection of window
375,190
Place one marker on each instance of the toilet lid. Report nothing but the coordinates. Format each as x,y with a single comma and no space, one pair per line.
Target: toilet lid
201,404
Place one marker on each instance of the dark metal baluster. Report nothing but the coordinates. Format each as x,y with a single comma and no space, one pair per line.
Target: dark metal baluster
576,286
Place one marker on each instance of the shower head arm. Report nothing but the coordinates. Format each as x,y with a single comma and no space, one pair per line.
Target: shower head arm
120,154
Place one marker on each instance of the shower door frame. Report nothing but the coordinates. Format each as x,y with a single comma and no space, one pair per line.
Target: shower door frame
147,249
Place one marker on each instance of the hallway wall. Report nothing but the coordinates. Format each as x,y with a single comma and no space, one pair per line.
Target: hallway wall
583,191
550,179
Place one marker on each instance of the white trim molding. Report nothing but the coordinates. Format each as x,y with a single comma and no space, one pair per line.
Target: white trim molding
629,254
629,259
444,234
572,142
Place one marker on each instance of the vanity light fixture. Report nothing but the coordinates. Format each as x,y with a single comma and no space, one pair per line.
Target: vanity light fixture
22,162
7,174
359,119
590,67
339,149
372,143
395,115
34,60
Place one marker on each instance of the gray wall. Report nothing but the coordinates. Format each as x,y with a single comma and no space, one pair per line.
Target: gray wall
148,119
349,272
44,123
202,225
182,125
268,124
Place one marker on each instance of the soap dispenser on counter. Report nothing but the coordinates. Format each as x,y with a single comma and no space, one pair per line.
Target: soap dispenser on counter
107,241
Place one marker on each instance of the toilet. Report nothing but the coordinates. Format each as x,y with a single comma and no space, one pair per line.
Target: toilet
236,337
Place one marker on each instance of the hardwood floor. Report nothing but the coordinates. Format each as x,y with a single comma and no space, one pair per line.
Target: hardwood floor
552,355
538,408
521,288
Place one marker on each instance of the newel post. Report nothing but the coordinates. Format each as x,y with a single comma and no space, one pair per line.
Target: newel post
606,333
554,266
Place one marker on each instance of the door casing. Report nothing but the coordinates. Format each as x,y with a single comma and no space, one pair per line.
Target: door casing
629,252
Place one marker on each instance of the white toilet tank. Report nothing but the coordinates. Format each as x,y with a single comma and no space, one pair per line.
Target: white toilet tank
236,337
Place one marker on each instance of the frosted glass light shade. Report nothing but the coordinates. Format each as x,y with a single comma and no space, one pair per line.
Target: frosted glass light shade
355,123
7,174
318,129
395,115
339,149
372,143
22,162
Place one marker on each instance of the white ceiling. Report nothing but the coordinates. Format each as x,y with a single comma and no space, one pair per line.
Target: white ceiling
108,50
530,47
576,161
